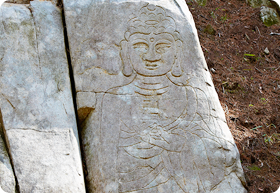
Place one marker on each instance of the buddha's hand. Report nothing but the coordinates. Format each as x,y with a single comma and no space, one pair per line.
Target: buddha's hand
171,141
152,133
156,133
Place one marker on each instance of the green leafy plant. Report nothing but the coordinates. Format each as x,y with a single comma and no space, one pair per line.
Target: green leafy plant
251,105
263,100
213,15
224,18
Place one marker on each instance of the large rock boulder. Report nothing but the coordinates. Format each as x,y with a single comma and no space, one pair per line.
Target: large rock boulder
150,116
36,100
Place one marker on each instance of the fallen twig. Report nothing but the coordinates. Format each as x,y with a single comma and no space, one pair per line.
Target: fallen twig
258,70
203,17
272,33
257,29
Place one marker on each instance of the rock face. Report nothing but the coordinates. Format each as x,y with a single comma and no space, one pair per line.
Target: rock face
36,100
154,122
7,178
55,2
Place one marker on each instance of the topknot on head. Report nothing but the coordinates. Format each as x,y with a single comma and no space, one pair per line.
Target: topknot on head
151,19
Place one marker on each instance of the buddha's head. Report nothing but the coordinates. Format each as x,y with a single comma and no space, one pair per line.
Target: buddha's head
151,46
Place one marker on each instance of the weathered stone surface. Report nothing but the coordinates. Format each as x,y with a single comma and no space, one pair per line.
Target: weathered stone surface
158,125
55,2
36,100
18,1
86,102
269,16
7,178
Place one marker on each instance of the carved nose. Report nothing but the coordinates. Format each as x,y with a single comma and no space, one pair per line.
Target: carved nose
151,55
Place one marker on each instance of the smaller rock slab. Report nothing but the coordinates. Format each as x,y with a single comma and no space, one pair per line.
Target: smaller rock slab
36,99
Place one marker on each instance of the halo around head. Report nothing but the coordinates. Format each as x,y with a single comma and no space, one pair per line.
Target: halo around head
151,19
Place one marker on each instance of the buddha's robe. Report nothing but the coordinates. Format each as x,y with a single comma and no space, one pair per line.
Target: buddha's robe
159,142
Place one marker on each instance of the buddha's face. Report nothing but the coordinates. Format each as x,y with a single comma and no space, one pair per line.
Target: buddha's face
152,55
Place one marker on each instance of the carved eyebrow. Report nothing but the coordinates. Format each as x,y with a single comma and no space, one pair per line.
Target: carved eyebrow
163,41
139,40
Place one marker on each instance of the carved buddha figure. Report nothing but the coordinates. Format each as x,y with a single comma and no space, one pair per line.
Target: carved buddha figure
162,144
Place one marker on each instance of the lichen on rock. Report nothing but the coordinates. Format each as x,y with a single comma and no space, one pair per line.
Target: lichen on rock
269,16
258,3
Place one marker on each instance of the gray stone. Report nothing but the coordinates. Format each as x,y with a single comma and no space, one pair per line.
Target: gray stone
7,178
269,16
55,2
266,51
36,100
157,124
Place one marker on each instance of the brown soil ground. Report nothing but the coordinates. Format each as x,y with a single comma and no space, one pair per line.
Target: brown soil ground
248,85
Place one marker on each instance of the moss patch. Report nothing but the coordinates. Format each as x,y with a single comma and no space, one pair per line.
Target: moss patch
269,16
209,30
201,2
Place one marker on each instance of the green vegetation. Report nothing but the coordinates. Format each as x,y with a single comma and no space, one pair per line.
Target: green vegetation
269,16
209,30
254,168
274,138
224,18
201,2
252,55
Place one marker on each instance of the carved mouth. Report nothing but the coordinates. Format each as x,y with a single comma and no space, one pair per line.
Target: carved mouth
152,65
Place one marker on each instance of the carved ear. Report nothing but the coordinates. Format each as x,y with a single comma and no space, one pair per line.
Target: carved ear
127,67
176,69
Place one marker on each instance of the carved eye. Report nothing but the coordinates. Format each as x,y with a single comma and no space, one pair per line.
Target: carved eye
141,47
162,48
